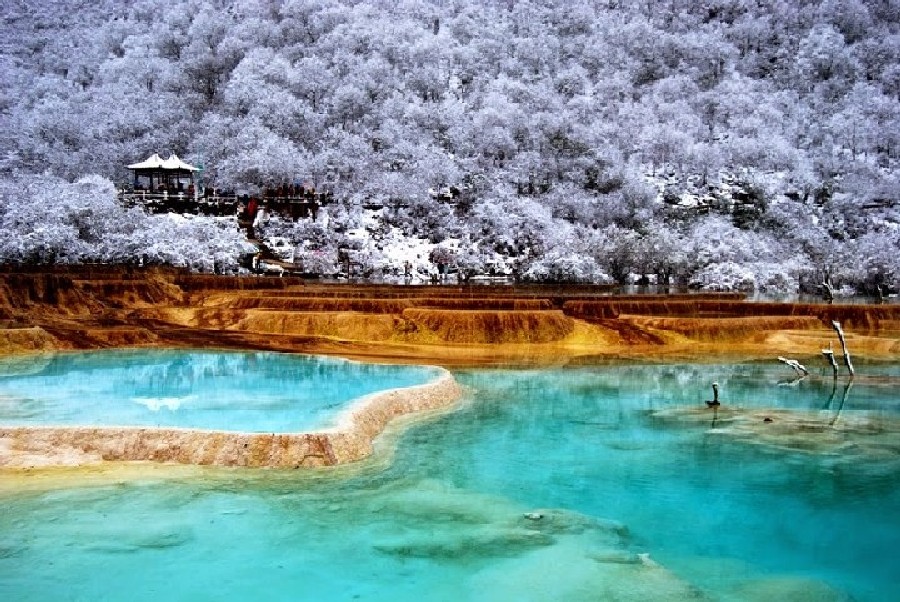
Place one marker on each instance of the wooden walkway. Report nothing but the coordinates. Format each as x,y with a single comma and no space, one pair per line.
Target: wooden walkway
300,207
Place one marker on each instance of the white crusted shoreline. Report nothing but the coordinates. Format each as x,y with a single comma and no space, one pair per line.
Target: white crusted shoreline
350,441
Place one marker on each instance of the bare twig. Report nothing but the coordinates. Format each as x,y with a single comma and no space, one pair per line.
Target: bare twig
797,366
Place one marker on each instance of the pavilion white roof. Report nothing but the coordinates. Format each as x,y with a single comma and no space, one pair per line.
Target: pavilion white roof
157,162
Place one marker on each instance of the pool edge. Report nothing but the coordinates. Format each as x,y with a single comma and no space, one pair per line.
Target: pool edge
25,447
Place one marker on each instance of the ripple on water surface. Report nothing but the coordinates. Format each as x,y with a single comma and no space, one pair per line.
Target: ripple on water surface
234,391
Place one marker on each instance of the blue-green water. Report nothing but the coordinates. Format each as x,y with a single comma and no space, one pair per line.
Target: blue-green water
250,392
719,518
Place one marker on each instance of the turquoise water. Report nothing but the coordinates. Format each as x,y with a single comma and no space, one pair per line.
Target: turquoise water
232,391
633,508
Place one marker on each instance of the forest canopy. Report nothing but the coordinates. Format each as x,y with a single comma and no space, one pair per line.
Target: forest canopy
726,143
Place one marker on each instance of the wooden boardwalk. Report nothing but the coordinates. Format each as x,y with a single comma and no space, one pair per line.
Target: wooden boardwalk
295,207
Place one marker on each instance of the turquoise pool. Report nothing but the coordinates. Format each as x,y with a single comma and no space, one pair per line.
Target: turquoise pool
231,391
631,508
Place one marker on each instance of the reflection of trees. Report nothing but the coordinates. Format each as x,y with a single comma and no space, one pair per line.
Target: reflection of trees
614,396
144,373
799,378
266,371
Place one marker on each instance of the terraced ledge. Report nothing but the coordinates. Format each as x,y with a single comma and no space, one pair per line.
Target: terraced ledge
350,441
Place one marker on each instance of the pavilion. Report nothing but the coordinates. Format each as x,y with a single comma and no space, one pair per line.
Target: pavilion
171,175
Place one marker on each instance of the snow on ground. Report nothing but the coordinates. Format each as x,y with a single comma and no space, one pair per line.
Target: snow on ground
393,250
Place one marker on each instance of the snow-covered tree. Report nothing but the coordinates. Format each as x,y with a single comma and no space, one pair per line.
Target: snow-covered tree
48,220
550,117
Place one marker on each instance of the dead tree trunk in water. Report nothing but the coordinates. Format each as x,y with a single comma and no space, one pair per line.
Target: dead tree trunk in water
829,355
714,402
840,333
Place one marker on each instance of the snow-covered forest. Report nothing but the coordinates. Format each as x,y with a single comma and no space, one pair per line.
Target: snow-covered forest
721,143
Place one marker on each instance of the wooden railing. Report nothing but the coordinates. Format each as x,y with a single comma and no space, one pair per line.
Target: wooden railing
221,204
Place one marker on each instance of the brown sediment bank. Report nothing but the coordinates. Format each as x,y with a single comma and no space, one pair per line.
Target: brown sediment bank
92,307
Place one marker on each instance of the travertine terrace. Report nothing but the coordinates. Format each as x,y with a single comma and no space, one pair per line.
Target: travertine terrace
98,307
350,441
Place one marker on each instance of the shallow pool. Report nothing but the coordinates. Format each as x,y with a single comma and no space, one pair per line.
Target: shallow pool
622,506
231,391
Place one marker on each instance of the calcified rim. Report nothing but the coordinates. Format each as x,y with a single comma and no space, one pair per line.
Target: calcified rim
351,440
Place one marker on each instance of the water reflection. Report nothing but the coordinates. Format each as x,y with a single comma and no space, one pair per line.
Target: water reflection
637,507
592,440
231,391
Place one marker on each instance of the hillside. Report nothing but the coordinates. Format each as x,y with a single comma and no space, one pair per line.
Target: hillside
728,144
